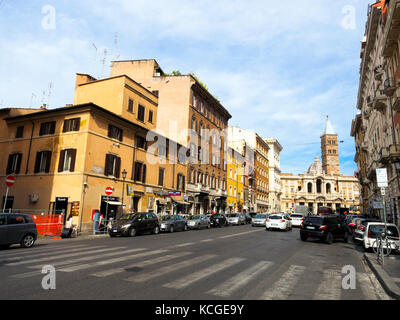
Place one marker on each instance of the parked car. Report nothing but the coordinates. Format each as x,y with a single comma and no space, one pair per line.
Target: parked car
297,219
358,234
198,222
326,228
247,218
236,219
131,224
352,223
278,221
17,229
259,220
374,229
173,223
253,214
218,220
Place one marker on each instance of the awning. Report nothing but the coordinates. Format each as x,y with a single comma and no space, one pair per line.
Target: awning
182,202
114,203
161,201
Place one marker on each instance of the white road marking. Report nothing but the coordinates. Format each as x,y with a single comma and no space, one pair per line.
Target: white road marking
105,262
285,285
331,286
61,256
203,273
170,268
231,285
110,272
207,240
238,234
184,245
35,251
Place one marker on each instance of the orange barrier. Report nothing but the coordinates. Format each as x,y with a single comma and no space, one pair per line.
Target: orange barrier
48,224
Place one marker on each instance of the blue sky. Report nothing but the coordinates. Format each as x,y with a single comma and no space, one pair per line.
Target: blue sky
278,67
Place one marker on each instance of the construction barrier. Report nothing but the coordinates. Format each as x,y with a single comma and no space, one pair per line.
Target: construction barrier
48,224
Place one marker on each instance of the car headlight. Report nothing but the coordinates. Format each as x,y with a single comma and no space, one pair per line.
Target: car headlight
126,226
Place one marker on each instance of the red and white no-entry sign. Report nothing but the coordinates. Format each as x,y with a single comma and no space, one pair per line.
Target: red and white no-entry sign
10,180
109,190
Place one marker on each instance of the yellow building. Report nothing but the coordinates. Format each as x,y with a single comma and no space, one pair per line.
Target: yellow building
235,181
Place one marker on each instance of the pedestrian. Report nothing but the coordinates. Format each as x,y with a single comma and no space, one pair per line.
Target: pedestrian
95,218
67,231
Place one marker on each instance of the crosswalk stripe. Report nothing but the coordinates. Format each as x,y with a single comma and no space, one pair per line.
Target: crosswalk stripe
171,268
105,273
193,277
207,240
331,286
184,245
282,289
42,254
88,258
36,251
231,285
238,234
61,256
105,262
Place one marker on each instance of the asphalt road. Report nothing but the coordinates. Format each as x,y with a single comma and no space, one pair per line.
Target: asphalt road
232,263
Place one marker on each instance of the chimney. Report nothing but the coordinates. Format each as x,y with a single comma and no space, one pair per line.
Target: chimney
43,107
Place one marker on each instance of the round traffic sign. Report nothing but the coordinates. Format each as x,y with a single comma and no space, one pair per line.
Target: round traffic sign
10,180
109,190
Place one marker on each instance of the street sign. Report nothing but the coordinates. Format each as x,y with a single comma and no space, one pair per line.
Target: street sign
383,192
10,180
377,205
109,191
174,193
381,178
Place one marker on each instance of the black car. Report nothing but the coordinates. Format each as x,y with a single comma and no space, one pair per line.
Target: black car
131,224
327,228
247,218
173,223
17,228
218,220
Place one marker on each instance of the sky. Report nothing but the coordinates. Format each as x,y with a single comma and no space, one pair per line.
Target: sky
278,67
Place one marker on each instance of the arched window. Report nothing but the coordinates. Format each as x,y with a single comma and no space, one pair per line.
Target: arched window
193,123
328,188
309,186
201,127
319,189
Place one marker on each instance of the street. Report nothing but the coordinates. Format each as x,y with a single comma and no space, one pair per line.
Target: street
232,263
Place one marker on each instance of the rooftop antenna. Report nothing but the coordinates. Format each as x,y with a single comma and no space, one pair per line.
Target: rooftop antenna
32,96
104,62
49,95
117,55
95,59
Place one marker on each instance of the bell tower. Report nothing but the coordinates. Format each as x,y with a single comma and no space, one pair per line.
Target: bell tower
329,150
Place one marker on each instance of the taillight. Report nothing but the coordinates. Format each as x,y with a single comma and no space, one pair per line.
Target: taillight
361,228
266,220
369,234
323,227
302,225
352,225
301,219
282,220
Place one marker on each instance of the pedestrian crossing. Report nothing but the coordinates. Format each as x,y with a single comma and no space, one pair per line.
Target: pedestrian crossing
170,269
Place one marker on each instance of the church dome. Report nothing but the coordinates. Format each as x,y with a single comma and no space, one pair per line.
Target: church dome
316,167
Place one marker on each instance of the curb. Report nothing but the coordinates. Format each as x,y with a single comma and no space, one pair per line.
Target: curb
385,280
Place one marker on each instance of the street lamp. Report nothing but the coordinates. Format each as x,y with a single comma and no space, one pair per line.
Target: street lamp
123,186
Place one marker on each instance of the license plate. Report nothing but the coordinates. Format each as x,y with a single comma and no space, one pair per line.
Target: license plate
274,224
311,228
115,230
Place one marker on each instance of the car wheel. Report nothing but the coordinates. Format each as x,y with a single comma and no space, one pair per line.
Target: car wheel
132,232
28,241
346,237
329,238
156,230
171,229
303,237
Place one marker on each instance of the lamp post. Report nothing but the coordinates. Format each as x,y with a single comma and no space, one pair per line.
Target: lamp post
123,186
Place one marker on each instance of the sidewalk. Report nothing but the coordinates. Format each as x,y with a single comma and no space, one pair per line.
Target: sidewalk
388,274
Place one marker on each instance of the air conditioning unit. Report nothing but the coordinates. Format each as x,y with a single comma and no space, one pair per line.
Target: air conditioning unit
33,198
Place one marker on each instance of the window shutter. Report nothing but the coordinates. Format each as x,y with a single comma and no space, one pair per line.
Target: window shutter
61,161
121,133
109,130
19,160
117,167
9,164
77,124
144,173
48,160
65,128
107,164
37,162
41,129
52,127
73,157
183,183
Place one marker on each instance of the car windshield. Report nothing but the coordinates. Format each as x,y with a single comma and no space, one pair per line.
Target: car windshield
128,216
233,215
314,220
193,217
261,216
375,230
275,217
216,216
296,216
165,218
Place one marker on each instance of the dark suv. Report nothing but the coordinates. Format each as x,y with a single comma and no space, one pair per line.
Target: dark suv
131,224
327,228
17,228
218,220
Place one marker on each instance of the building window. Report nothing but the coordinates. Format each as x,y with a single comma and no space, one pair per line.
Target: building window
150,116
181,182
67,160
72,124
47,128
112,166
309,187
115,132
161,176
319,189
141,112
42,163
20,132
141,142
14,163
130,106
193,124
140,172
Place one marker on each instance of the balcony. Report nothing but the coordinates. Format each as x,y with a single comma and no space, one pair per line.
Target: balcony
392,28
378,73
364,146
379,103
396,100
192,187
389,87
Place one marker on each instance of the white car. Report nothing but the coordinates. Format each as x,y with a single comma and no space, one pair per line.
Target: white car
259,220
297,219
236,218
277,221
374,229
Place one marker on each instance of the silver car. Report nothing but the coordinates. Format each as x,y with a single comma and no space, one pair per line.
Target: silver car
172,223
198,222
259,220
236,219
